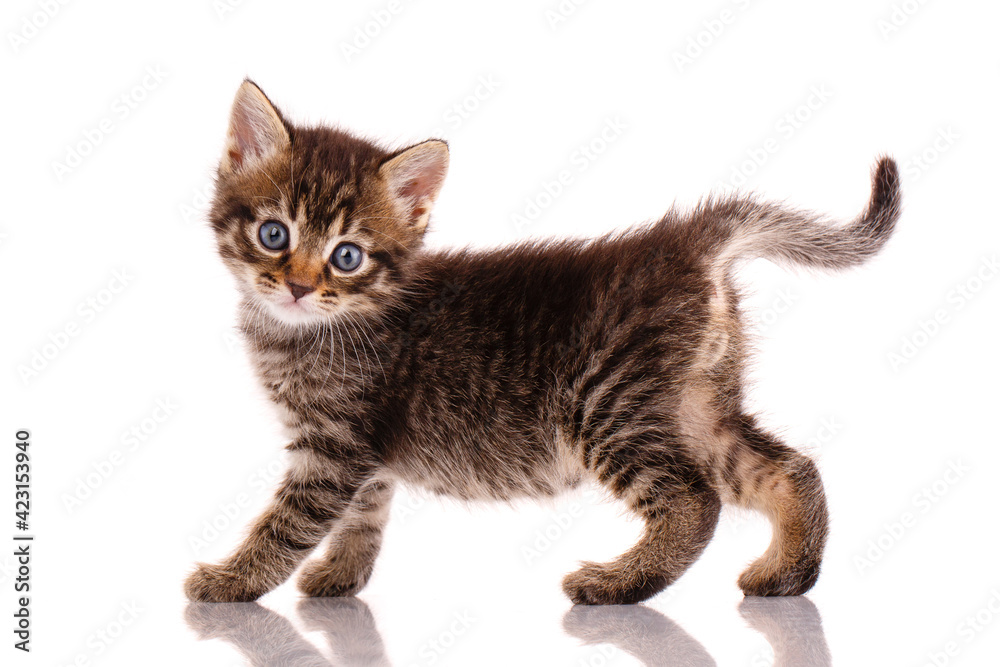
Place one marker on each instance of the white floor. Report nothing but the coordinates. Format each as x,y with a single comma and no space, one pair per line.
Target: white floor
458,586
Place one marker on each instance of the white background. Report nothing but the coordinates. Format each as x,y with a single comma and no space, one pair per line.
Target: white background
479,585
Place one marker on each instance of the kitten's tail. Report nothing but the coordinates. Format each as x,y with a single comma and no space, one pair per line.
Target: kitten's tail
744,228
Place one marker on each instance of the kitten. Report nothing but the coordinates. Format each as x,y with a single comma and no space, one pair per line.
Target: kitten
498,374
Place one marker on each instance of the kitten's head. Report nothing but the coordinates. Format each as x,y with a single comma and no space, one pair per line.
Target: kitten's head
314,222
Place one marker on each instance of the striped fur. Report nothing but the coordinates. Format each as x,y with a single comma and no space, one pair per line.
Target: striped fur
512,372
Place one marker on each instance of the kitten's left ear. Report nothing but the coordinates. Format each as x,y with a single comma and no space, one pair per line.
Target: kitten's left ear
414,178
256,130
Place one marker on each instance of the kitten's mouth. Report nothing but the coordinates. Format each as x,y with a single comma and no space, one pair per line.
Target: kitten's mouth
294,311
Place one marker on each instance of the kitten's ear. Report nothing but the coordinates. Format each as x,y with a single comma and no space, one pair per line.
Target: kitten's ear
256,130
415,177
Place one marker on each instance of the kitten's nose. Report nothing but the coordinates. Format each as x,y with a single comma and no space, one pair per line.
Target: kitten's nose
299,290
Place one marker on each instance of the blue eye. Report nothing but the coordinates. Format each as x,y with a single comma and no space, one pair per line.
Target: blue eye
346,257
273,235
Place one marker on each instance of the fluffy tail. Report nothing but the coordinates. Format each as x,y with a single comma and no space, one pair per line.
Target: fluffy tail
744,228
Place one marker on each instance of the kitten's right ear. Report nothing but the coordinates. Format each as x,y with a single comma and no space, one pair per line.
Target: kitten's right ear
256,130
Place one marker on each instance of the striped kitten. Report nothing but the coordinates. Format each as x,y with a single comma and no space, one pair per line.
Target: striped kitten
513,372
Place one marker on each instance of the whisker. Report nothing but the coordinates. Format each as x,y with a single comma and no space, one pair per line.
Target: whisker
319,352
329,363
364,208
374,351
270,199
357,357
343,354
380,245
276,185
389,236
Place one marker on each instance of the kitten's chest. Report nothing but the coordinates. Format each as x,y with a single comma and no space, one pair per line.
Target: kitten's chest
308,385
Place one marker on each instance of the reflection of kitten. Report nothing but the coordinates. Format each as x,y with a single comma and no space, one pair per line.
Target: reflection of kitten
511,372
268,639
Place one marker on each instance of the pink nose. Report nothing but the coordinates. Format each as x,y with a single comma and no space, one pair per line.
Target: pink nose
299,291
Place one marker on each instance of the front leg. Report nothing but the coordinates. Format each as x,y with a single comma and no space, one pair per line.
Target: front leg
346,567
314,494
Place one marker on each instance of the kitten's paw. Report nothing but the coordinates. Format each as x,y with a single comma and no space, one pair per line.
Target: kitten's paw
764,579
596,583
321,579
213,583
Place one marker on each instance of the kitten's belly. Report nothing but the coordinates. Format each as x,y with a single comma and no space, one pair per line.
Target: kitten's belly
492,471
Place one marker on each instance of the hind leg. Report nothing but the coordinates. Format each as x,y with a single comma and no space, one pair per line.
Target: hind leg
770,477
680,509
348,562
